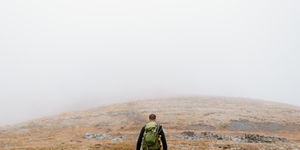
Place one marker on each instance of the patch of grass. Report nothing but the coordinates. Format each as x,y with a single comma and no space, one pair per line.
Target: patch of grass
112,110
183,118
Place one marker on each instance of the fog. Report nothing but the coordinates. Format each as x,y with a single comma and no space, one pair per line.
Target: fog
59,56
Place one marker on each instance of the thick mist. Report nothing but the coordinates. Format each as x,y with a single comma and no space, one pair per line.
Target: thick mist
58,56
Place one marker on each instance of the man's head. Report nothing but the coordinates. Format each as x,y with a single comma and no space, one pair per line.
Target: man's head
152,117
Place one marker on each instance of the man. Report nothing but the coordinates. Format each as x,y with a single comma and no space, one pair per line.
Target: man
150,127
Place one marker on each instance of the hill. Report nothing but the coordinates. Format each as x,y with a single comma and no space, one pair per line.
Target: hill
229,117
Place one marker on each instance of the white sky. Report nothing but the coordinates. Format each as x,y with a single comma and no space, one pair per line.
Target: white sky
58,56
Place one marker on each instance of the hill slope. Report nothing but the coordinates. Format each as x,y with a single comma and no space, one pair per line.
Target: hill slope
226,115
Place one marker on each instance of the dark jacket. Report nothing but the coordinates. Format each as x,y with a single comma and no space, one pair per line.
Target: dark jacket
163,139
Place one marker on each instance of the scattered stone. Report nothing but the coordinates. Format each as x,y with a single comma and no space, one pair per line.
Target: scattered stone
123,136
102,136
188,133
96,136
88,136
31,139
188,136
42,139
255,138
248,138
116,140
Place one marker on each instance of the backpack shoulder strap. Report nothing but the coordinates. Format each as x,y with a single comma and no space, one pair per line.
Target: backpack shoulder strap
160,129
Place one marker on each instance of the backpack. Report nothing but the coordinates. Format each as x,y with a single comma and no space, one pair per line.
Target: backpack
150,138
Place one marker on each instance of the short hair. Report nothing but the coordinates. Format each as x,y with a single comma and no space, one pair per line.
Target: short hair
152,117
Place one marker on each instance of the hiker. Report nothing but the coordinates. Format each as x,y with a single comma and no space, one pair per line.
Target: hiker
151,135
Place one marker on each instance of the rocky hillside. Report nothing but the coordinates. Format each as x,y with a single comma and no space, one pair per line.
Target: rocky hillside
194,112
226,115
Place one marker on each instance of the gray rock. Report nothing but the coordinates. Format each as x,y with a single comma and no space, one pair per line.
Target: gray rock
248,138
123,136
91,136
116,140
100,136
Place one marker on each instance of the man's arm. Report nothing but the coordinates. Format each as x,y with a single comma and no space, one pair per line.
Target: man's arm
163,140
138,144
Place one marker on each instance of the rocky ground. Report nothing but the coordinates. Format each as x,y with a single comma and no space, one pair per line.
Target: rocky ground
204,122
247,138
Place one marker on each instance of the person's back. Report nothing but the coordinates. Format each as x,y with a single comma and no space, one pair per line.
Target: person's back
151,135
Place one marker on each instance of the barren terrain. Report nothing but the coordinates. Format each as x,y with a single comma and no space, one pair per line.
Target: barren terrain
224,116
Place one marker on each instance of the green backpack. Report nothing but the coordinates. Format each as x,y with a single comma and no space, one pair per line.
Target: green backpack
150,138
